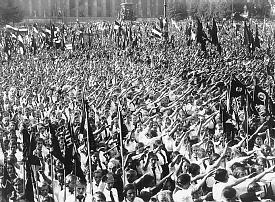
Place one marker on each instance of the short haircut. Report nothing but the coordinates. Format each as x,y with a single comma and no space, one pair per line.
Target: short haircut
81,182
220,175
129,187
229,193
183,179
253,187
99,195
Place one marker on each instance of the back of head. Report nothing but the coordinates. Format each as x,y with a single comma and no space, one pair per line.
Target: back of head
253,187
221,175
99,196
183,179
229,193
165,196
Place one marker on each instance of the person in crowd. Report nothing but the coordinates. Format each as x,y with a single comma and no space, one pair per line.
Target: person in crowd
81,195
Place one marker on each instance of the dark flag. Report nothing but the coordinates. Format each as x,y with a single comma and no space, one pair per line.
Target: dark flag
246,34
7,47
229,125
123,130
161,23
55,148
72,159
201,36
29,145
237,89
85,125
251,105
257,40
52,34
260,96
29,194
6,183
33,45
188,31
214,33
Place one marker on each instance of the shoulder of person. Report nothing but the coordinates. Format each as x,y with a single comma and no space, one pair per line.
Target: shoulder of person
137,199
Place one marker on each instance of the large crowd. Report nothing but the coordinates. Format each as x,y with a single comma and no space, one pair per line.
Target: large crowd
170,96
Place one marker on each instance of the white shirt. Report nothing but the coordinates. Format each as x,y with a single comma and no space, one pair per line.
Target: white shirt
61,195
96,188
217,190
184,195
107,194
158,172
137,199
88,198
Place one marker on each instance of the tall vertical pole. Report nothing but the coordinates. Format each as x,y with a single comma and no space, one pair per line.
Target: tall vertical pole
165,8
232,9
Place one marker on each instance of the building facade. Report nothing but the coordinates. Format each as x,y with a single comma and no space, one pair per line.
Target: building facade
90,8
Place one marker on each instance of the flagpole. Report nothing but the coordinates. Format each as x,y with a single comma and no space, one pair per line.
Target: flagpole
88,143
121,144
246,121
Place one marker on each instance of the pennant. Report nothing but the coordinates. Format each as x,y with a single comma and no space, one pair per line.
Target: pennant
257,40
214,33
260,96
157,32
237,89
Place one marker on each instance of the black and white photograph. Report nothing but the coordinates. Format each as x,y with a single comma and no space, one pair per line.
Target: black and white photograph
137,100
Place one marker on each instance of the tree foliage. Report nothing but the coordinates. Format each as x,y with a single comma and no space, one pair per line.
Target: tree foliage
219,9
10,11
177,11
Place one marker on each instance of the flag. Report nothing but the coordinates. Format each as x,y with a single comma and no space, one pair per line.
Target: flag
214,33
21,45
85,126
29,194
33,45
22,30
123,129
246,34
260,96
160,22
251,105
55,148
6,184
72,159
201,36
257,40
229,123
237,89
199,32
157,32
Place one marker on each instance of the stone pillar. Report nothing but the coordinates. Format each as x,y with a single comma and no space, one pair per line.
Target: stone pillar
30,8
156,8
67,8
94,12
139,8
112,8
39,8
149,8
86,8
76,8
103,8
49,9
